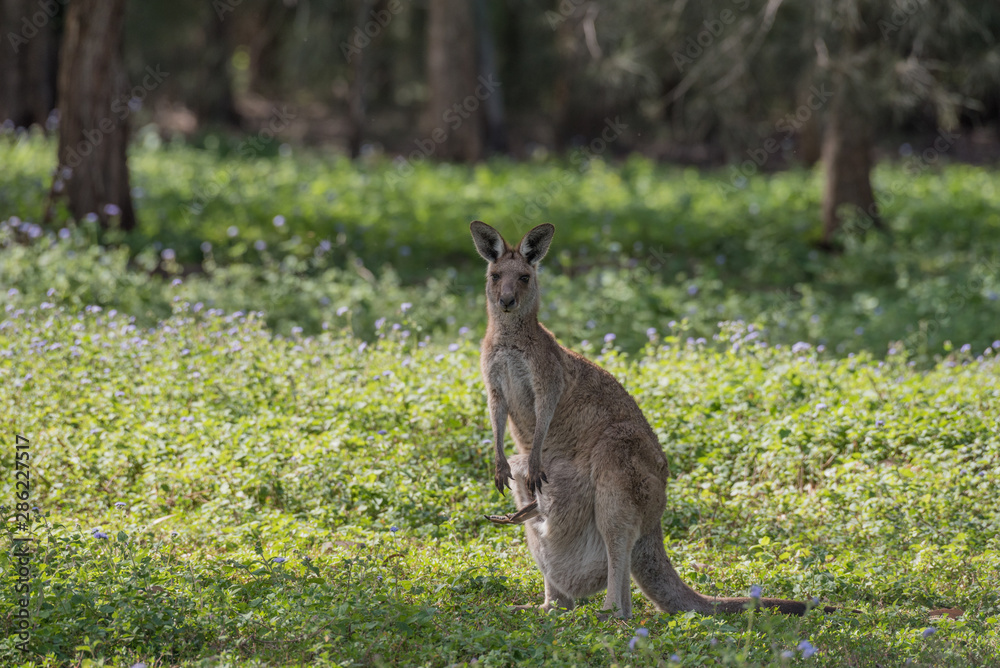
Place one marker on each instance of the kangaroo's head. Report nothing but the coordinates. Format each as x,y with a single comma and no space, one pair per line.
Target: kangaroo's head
512,275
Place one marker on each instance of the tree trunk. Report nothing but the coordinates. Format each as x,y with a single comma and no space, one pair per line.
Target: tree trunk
496,127
93,105
214,104
455,108
358,61
847,162
28,63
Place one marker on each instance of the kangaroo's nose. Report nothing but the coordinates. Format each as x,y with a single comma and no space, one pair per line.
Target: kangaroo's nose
508,302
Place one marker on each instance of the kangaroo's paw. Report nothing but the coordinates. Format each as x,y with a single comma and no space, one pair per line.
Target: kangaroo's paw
502,475
520,517
535,480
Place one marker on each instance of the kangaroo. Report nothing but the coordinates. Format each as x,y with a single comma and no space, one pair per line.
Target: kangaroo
590,475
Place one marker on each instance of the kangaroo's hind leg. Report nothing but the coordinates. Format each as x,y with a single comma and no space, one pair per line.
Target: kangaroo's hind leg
620,532
620,493
618,524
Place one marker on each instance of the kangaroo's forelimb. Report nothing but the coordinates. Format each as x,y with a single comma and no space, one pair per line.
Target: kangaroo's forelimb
548,391
498,420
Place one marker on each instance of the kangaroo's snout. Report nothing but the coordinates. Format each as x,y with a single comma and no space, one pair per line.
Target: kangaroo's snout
508,302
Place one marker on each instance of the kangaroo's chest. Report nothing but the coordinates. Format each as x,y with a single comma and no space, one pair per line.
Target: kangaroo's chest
510,373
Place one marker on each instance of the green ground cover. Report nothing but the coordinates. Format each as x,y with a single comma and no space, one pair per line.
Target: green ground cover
637,245
319,500
268,410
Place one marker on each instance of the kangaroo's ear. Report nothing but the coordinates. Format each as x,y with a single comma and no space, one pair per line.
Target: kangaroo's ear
535,243
489,243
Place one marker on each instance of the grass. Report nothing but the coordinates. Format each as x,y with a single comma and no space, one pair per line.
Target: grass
637,245
277,453
364,467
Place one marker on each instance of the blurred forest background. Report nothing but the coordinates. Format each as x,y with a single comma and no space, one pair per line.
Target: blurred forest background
758,84
823,166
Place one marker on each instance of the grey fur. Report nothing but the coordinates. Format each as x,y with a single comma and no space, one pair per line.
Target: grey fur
586,453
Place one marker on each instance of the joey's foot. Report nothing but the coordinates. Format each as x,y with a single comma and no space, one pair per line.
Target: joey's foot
520,517
502,476
535,480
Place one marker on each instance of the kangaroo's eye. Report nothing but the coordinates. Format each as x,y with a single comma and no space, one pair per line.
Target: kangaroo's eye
495,277
525,278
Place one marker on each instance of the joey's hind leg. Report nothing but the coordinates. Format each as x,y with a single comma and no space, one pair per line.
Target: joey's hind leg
554,597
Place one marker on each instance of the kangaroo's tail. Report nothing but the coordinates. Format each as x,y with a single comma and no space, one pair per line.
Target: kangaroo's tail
656,577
